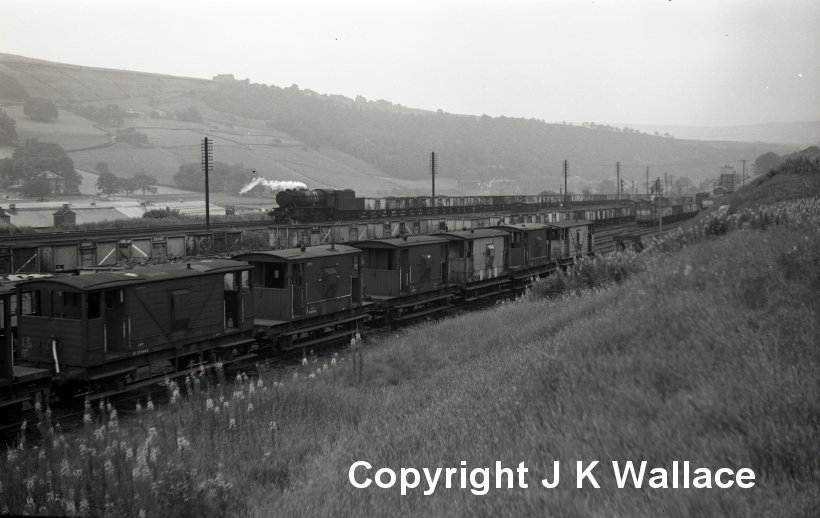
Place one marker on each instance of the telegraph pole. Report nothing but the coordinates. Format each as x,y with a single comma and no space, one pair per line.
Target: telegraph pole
618,180
658,197
566,166
743,182
207,156
647,181
433,164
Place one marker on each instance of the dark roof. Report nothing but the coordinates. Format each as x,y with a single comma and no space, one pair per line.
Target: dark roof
521,226
399,242
568,223
298,254
142,274
473,233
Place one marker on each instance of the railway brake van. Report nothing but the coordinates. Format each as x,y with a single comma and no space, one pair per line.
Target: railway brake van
570,239
478,261
113,328
306,296
407,276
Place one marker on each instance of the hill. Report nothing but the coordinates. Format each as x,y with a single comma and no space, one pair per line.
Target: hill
798,134
376,147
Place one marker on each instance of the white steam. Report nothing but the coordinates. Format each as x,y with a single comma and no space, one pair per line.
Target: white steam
273,185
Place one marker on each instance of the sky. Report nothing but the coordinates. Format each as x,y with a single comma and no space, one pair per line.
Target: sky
678,62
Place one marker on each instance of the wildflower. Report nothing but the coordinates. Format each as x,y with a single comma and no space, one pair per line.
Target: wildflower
109,467
333,362
232,423
87,418
142,513
209,404
139,407
154,454
324,366
250,407
99,432
182,443
226,404
38,406
259,384
311,375
65,470
238,378
29,482
83,506
304,361
272,426
150,404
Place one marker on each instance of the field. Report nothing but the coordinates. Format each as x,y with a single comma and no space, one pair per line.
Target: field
275,155
705,351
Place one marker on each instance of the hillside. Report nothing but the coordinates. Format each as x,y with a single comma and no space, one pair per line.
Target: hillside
376,147
799,134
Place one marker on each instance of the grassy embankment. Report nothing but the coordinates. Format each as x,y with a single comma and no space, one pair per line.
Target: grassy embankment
705,352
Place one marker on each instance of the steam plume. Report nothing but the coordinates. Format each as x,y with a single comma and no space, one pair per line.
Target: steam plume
273,185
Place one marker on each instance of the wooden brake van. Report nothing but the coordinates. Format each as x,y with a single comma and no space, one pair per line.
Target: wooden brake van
128,325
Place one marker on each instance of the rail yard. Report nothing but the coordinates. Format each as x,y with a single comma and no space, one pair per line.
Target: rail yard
118,329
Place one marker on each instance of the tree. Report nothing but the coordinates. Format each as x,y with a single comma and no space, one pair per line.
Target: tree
37,187
767,162
128,185
41,109
8,129
145,182
34,157
108,183
223,177
102,168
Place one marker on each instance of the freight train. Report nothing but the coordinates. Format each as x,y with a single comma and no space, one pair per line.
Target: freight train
107,332
318,205
648,212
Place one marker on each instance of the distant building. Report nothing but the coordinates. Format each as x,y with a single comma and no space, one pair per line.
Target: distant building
56,184
728,178
224,78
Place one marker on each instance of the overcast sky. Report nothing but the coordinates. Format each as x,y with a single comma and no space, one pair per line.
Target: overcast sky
692,62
